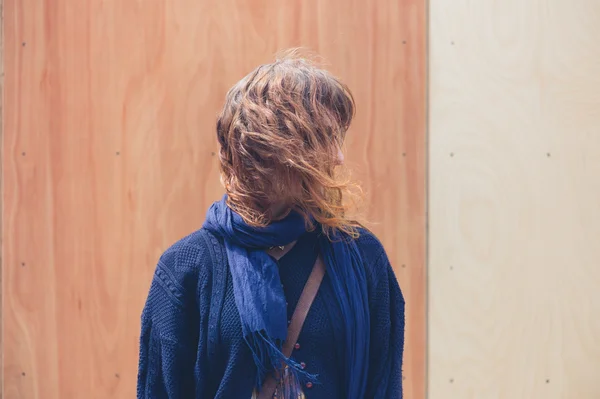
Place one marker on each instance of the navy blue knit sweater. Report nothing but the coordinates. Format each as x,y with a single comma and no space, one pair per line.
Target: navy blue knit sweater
191,339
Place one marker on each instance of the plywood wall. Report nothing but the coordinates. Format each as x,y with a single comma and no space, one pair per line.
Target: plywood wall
109,156
514,267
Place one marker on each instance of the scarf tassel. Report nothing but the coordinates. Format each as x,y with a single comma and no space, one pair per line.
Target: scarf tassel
268,357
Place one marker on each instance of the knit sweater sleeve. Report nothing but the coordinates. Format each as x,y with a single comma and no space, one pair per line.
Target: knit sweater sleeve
170,357
387,333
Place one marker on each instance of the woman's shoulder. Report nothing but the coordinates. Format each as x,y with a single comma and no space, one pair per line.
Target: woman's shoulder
373,254
180,286
369,244
188,261
192,251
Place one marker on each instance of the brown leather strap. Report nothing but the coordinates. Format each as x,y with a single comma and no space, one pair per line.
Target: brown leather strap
304,303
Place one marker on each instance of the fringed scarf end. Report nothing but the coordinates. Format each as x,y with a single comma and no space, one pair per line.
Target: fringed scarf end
268,358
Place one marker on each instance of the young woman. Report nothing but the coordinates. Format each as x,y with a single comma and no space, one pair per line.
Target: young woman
279,294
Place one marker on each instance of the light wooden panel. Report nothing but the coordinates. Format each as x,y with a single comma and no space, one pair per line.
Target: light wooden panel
1,192
514,270
109,157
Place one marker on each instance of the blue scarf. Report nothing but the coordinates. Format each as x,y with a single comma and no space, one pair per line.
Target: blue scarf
260,299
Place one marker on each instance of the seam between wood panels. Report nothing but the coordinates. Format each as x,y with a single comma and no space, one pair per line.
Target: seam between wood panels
427,171
1,195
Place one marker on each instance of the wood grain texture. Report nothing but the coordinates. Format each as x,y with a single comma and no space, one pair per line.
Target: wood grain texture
1,186
109,157
514,199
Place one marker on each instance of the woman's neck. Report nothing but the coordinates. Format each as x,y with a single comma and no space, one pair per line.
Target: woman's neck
278,211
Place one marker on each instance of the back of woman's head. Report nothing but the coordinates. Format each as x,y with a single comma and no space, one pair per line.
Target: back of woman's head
281,132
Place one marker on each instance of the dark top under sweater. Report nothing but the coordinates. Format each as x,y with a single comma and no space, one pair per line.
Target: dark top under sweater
191,342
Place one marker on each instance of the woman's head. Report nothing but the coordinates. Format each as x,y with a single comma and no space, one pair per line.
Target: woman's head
281,134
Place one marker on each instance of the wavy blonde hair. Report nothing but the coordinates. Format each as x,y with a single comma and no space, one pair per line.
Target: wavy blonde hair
281,131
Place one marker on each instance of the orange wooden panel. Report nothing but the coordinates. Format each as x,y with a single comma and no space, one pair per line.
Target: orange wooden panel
109,156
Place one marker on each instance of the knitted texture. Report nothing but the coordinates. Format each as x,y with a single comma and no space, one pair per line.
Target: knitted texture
191,343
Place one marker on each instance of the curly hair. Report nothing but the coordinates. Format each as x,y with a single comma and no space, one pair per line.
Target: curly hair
281,132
